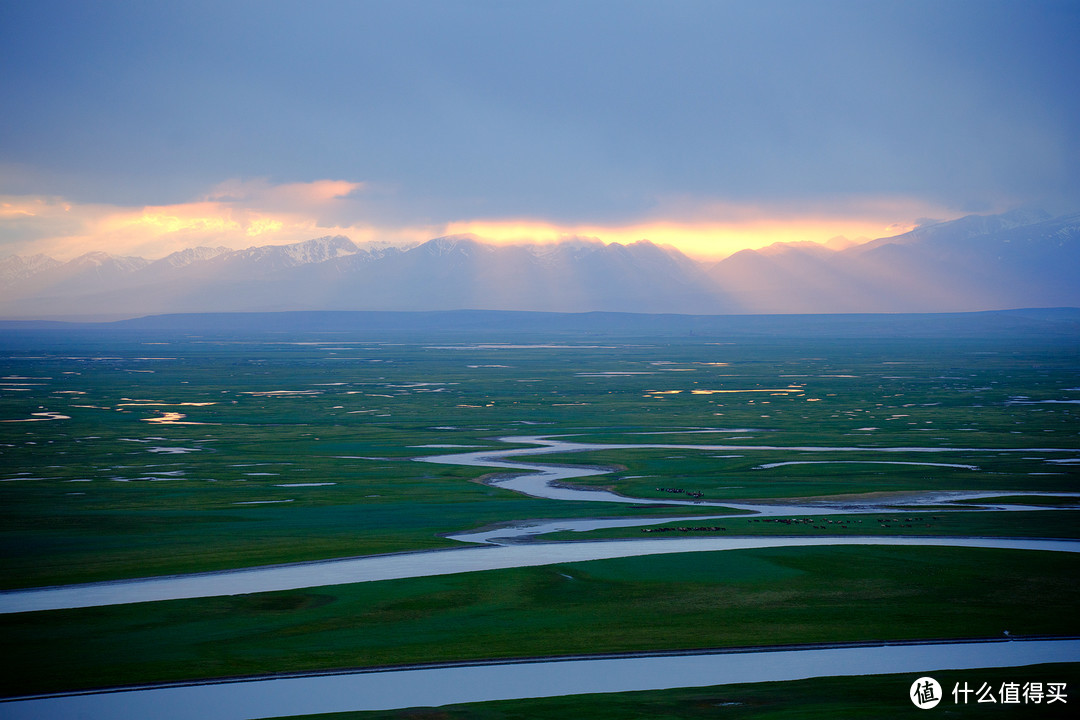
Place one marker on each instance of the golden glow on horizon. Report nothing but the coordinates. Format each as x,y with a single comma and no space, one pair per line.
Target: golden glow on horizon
262,226
711,240
238,214
159,222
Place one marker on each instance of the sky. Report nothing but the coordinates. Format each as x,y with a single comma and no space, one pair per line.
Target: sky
144,128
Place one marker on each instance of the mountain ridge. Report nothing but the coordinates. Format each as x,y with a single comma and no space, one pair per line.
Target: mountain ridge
1019,259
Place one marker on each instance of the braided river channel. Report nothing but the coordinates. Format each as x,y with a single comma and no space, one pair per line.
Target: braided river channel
516,545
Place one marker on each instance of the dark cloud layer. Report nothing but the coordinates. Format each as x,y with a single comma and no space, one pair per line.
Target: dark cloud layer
572,111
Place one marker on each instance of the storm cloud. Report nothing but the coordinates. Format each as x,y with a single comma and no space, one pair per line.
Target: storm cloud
566,112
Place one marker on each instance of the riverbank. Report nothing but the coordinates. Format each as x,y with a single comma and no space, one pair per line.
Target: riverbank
739,598
432,687
445,562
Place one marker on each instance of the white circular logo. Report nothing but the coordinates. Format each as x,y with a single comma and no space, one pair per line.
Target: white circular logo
925,693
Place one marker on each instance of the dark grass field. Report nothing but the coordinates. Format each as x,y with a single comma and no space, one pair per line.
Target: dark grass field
108,493
721,599
299,447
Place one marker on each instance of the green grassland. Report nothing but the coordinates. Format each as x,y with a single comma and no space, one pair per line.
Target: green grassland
719,477
692,600
111,492
915,522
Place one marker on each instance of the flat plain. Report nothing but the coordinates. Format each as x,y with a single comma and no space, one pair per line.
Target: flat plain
146,453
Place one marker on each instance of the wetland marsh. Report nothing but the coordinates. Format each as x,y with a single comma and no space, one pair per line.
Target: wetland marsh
128,455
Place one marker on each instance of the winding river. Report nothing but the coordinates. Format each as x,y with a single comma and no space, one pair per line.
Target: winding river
501,547
504,547
435,686
442,562
545,480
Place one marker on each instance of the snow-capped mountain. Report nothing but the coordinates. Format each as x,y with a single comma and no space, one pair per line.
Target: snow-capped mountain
15,268
971,226
302,253
84,275
103,263
97,274
1022,259
190,256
